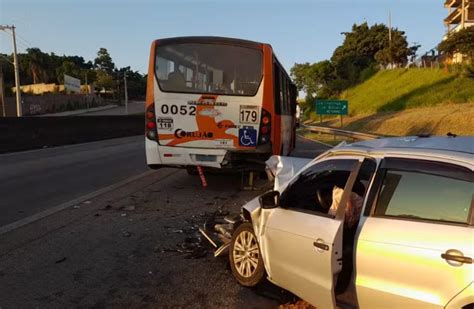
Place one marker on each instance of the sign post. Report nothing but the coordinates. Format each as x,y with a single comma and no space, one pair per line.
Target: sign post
332,107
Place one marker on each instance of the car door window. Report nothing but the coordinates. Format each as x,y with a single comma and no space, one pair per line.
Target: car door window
313,188
436,192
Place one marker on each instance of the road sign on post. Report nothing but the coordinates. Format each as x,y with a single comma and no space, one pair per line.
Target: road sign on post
332,107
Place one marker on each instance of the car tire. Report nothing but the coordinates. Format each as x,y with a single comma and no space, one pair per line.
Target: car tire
245,257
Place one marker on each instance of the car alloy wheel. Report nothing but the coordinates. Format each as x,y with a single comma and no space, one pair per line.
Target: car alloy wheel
245,257
246,254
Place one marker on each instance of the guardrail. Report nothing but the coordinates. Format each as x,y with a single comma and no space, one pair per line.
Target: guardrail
350,134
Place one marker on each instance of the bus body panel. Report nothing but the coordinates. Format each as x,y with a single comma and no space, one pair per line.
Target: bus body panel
208,129
207,121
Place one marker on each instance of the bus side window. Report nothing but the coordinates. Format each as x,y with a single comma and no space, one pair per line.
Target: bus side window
293,95
277,88
285,96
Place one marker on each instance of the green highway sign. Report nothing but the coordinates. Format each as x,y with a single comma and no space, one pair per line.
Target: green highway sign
332,107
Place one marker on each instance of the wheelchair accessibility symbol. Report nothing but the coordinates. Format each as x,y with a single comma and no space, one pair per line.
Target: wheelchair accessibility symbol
247,137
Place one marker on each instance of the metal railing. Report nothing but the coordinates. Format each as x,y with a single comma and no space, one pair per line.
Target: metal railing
339,132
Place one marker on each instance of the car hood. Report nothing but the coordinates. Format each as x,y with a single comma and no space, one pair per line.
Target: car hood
282,169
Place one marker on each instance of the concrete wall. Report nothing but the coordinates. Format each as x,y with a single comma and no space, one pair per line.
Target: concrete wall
42,88
51,103
37,132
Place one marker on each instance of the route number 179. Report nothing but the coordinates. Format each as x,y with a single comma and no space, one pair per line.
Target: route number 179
248,114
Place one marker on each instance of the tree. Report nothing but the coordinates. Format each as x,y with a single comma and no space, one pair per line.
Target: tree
368,44
136,82
461,42
68,68
37,63
103,61
104,80
363,50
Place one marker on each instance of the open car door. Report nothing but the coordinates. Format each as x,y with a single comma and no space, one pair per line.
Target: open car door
302,244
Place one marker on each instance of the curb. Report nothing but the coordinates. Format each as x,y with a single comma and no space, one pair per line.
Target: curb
81,111
22,222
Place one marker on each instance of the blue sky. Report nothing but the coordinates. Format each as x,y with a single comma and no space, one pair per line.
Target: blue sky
299,30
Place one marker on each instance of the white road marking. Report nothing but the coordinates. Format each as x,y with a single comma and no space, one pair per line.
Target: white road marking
17,224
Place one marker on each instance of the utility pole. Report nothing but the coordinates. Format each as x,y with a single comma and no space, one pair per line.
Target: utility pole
17,70
390,29
126,92
2,92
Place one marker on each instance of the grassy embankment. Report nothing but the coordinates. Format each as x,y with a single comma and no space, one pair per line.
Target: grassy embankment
408,102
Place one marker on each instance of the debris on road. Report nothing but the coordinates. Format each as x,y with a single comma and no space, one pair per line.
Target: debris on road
76,206
60,260
216,227
300,304
201,175
126,234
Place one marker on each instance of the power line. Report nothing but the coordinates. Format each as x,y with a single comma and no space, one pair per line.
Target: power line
6,58
23,44
25,40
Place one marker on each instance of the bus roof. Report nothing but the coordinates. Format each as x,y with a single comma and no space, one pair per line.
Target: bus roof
212,39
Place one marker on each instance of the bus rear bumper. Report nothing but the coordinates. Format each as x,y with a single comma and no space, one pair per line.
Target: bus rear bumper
159,156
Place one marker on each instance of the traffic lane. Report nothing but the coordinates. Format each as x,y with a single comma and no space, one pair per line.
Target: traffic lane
33,181
134,107
307,148
122,249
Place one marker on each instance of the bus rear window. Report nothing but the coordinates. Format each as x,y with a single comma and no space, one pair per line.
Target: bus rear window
208,68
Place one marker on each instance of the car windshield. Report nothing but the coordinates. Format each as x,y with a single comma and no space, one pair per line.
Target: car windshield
208,68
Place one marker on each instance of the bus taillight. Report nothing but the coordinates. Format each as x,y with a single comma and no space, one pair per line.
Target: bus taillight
151,124
265,127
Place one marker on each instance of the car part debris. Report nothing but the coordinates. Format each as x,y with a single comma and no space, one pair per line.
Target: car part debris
201,175
232,219
213,243
224,229
222,250
60,260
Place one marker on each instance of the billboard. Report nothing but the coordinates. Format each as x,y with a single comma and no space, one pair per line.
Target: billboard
72,84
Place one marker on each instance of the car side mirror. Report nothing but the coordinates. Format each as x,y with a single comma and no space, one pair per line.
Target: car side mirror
270,199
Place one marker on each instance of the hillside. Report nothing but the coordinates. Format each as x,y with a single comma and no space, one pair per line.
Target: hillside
400,89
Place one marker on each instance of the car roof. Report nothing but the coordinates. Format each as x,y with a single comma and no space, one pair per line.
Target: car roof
460,147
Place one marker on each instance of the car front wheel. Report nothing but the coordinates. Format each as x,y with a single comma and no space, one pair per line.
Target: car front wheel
245,258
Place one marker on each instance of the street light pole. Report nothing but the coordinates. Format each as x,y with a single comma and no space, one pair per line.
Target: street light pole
126,92
17,71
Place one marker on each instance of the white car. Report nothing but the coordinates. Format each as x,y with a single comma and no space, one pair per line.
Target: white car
410,247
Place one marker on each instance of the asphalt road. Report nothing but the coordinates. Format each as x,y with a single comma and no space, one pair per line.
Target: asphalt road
33,181
134,107
36,180
136,246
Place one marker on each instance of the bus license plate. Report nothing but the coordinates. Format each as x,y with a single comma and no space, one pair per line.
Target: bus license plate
206,158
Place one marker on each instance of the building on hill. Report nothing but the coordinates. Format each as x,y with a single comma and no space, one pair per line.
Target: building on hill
460,16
